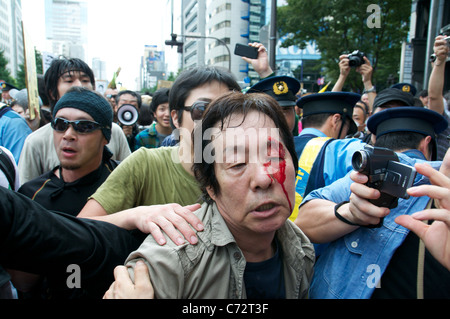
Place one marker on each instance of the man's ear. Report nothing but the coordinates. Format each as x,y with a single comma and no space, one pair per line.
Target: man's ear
423,147
211,193
174,116
50,95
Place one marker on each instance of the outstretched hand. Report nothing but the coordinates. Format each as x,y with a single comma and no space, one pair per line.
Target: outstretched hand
437,235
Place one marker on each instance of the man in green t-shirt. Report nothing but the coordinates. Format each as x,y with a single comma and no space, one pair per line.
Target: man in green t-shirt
163,175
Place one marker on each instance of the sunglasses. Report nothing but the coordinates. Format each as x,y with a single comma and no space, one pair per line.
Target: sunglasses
80,126
197,109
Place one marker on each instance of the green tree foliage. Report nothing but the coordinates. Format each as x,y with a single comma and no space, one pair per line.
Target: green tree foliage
4,72
21,76
340,27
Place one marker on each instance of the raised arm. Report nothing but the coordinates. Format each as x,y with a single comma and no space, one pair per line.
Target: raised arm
261,64
436,83
344,70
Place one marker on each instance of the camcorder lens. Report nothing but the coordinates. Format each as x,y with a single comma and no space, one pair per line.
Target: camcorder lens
359,161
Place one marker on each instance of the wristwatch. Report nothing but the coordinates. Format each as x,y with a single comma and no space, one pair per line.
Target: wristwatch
371,90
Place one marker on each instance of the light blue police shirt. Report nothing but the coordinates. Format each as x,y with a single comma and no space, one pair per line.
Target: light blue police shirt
351,266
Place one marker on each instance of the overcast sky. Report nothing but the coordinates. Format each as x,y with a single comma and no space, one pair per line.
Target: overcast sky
118,32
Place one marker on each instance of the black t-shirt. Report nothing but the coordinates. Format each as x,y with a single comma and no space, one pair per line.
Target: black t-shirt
265,280
54,194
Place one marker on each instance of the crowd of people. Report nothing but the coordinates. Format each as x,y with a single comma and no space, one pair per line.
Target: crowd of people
205,190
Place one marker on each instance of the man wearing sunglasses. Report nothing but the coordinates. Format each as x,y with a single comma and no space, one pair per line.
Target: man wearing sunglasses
164,175
39,155
134,198
81,129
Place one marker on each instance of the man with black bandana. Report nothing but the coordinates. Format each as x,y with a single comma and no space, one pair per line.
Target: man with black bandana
85,161
38,151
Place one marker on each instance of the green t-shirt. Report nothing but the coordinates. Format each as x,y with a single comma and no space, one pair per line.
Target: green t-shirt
148,177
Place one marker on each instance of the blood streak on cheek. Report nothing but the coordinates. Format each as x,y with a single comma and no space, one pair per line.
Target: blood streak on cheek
280,172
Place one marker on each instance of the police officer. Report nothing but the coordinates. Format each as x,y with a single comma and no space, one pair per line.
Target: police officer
284,90
324,155
6,87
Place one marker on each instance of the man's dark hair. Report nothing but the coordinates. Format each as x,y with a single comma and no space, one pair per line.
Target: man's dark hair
42,91
160,97
220,112
57,69
315,120
132,93
363,107
194,78
398,141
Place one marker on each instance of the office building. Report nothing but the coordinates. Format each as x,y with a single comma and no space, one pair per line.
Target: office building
66,27
215,27
11,37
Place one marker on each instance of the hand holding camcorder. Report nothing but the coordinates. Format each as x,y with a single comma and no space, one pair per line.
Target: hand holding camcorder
385,173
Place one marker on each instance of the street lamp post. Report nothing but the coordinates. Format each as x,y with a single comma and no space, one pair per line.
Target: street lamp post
194,36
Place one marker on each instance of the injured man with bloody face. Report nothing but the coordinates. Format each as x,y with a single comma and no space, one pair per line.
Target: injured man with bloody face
245,163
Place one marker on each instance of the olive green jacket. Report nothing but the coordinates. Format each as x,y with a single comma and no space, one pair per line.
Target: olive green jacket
214,268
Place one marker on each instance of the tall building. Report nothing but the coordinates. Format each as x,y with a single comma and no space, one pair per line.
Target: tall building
99,69
217,25
153,67
66,27
11,37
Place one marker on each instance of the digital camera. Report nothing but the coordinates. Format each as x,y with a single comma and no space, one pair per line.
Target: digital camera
385,173
448,43
433,56
356,58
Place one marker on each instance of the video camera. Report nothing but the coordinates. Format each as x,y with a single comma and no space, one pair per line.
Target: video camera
385,173
356,58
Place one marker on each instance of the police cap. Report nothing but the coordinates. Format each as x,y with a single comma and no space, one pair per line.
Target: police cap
405,87
281,88
330,102
391,94
6,87
407,119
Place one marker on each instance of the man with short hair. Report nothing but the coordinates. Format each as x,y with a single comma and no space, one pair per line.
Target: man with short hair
164,175
102,244
128,97
358,235
6,97
248,248
284,90
39,151
324,155
81,126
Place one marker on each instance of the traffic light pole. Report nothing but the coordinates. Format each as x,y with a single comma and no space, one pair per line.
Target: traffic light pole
180,44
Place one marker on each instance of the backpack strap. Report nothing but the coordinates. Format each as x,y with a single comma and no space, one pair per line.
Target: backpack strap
305,165
4,109
8,169
421,260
